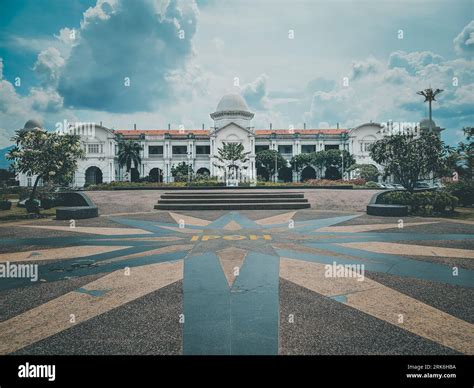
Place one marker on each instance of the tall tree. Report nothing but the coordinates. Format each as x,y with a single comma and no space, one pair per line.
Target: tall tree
333,161
465,155
128,153
182,172
265,160
232,158
50,156
300,161
366,171
409,158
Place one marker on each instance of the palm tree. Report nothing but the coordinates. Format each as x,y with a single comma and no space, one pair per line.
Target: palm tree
128,153
232,157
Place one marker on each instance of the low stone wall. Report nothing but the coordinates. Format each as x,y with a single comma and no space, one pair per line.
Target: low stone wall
75,205
73,198
385,210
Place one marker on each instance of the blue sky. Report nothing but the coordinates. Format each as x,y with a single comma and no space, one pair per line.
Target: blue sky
288,58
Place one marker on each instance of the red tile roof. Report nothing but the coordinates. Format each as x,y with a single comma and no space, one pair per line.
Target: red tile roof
205,132
132,132
300,131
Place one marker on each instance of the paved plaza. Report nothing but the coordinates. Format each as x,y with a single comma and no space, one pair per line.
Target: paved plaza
310,281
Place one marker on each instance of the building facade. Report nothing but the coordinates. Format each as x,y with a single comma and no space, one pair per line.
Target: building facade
163,149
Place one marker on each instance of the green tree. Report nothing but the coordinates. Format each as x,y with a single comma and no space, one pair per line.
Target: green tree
128,153
182,172
265,161
464,155
334,158
231,158
332,161
298,162
411,158
50,156
366,171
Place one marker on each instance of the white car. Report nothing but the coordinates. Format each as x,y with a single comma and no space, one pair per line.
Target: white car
422,185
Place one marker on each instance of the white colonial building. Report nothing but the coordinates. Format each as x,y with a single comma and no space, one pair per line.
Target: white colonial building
162,149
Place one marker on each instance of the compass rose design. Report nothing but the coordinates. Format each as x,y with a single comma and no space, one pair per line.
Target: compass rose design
231,268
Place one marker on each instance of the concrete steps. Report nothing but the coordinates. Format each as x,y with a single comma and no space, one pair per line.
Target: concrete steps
207,195
232,201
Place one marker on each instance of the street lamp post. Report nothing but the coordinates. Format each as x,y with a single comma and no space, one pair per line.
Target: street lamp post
344,138
342,155
276,167
429,95
189,165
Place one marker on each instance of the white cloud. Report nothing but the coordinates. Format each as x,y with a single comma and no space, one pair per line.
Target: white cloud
414,61
255,93
113,48
218,43
387,91
45,100
172,83
464,42
41,102
365,68
48,66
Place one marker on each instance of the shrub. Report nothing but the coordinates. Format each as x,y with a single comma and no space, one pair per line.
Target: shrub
205,182
443,200
464,191
427,202
32,206
423,202
396,198
329,182
356,182
371,185
125,185
47,202
5,205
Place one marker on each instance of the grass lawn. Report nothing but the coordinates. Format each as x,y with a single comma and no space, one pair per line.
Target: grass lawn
19,213
463,213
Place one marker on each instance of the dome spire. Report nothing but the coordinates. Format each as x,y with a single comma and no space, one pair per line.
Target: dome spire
232,108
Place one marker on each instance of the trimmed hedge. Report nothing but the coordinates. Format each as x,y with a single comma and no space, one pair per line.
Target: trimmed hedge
464,191
32,206
372,185
395,198
422,202
5,205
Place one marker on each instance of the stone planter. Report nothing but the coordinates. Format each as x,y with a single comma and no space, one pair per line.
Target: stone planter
5,205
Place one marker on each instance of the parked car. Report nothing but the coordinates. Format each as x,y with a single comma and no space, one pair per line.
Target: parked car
389,186
422,185
398,186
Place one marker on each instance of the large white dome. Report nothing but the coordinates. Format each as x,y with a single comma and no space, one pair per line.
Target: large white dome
33,124
232,102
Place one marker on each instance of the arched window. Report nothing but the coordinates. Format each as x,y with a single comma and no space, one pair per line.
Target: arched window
155,175
308,173
93,175
203,171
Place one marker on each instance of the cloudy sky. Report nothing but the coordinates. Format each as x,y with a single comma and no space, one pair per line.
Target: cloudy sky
154,62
